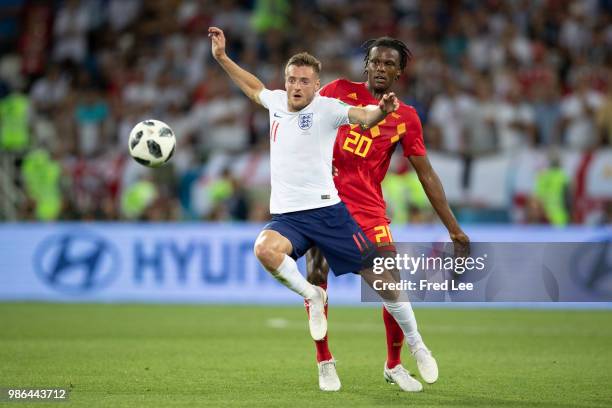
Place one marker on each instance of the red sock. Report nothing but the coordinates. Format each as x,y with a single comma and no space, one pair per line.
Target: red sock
322,346
395,339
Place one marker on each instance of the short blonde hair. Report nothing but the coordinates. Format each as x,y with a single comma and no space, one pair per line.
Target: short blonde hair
304,59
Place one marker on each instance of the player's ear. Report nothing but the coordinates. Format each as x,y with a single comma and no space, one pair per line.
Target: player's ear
317,85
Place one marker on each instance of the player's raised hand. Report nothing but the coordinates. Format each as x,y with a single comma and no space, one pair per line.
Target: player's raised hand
389,103
218,41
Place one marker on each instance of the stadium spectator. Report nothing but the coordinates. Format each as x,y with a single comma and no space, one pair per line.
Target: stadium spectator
48,91
15,121
578,111
515,121
72,24
547,111
604,119
552,193
224,115
480,135
449,112
541,69
41,175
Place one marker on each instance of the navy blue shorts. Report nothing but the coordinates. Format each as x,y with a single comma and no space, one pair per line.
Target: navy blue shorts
333,230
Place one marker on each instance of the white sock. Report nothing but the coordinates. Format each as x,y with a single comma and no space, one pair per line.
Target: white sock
289,275
404,316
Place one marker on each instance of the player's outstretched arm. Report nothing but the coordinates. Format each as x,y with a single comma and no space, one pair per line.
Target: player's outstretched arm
370,115
435,192
247,82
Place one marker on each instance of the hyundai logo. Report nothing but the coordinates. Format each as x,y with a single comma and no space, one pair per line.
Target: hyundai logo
76,262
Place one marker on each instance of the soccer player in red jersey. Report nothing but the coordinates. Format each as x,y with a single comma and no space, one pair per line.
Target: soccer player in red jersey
361,157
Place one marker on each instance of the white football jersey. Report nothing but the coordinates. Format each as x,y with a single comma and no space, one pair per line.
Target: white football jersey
301,151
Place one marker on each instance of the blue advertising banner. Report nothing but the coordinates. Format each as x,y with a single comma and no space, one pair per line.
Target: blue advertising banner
183,262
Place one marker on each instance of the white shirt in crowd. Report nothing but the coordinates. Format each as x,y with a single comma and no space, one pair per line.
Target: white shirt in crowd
301,150
221,133
449,114
581,131
70,30
511,138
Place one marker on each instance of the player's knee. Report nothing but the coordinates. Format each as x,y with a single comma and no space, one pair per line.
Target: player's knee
270,249
265,253
262,251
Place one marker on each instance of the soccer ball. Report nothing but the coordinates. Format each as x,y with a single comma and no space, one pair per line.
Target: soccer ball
152,143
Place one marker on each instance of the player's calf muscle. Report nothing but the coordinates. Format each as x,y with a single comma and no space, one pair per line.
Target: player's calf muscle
316,277
316,266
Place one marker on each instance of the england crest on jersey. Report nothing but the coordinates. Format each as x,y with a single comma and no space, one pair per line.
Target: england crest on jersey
305,121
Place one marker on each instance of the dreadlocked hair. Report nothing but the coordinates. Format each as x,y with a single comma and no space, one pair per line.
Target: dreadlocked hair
388,42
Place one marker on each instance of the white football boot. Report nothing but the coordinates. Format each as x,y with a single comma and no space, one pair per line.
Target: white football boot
317,322
400,376
328,378
426,363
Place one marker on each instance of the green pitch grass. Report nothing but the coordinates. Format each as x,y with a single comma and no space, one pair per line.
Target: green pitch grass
189,356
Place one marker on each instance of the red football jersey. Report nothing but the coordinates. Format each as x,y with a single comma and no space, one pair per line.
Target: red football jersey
362,156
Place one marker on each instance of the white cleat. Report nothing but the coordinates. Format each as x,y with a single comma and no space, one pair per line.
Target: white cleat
426,363
400,376
317,322
328,378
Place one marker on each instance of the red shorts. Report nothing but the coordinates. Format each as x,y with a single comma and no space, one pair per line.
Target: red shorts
381,235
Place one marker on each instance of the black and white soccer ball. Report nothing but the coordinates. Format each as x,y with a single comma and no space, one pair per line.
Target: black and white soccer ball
152,143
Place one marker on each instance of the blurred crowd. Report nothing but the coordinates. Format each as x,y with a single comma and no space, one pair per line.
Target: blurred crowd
487,78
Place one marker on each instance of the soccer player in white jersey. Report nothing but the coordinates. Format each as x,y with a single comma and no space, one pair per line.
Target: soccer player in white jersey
304,202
